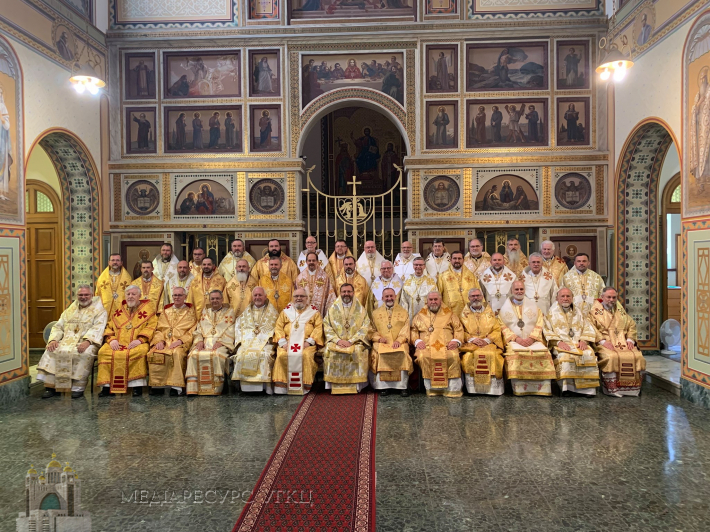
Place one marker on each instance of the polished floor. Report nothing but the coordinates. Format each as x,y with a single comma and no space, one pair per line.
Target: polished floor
475,463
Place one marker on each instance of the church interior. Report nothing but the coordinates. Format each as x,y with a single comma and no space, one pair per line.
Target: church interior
436,264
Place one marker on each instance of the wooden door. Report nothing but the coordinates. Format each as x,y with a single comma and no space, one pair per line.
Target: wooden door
44,258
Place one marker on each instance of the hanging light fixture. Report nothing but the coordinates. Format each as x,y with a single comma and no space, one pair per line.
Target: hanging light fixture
615,63
84,78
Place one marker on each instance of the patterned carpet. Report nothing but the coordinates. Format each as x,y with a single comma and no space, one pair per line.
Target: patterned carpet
321,476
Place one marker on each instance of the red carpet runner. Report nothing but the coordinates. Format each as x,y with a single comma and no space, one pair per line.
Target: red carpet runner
321,476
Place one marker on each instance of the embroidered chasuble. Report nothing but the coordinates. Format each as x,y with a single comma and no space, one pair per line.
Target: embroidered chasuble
518,268
440,366
206,368
586,287
496,286
403,266
295,367
374,298
369,268
238,295
414,293
390,365
541,288
335,265
254,359
195,269
362,290
479,265
621,368
529,368
278,291
111,289
228,266
119,368
66,368
261,268
199,294
436,266
454,287
182,283
166,367
152,291
557,267
345,367
322,260
576,368
165,270
483,365
318,287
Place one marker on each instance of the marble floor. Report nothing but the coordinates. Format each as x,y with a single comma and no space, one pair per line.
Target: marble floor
475,463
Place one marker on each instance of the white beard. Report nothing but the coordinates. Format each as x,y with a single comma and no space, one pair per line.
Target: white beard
371,256
242,277
514,258
299,306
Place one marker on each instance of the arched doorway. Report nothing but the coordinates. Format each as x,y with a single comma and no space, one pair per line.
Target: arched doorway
671,249
638,238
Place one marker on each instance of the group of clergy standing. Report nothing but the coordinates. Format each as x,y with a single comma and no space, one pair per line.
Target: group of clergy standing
270,324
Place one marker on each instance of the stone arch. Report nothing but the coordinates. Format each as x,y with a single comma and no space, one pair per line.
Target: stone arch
637,227
79,181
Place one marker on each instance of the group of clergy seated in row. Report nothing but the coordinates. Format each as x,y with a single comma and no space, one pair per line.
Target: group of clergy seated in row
270,324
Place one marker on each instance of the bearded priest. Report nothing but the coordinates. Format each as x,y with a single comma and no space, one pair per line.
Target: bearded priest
253,331
528,362
387,279
390,363
540,284
515,259
335,262
483,360
151,286
298,334
183,279
237,293
416,288
455,283
199,293
228,266
316,283
213,340
496,282
277,285
347,349
476,259
555,265
350,275
122,358
438,260
369,262
586,284
404,262
69,359
112,283
262,267
437,334
569,335
312,247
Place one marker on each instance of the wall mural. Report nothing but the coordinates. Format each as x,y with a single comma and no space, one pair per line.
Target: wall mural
203,129
267,197
442,125
64,42
140,130
506,193
204,198
206,75
265,67
507,123
511,66
442,68
12,173
320,10
380,71
573,191
573,65
573,118
265,128
139,76
441,193
142,197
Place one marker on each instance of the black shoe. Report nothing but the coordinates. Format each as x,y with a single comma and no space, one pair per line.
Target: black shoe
137,391
49,392
76,395
105,392
156,391
384,393
174,392
404,393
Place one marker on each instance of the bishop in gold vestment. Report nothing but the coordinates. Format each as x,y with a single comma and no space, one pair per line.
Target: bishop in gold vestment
277,285
73,343
586,285
555,265
151,287
237,293
198,254
390,363
298,334
438,261
496,282
122,358
515,259
112,283
199,293
316,283
416,288
483,361
387,279
253,334
369,262
404,261
347,349
351,276
335,262
455,284
213,341
183,279
569,335
228,266
262,268
167,359
540,285
437,334
476,259
621,362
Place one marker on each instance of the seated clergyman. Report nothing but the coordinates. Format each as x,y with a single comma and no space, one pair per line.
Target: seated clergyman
527,360
213,341
569,335
436,333
75,338
390,363
253,334
122,358
620,360
483,360
347,348
298,334
167,359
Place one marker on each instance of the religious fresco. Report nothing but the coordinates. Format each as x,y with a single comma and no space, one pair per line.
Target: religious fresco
380,71
204,198
13,311
206,129
12,172
140,130
441,193
267,196
507,123
135,252
365,144
573,191
573,121
509,66
264,9
487,9
142,197
265,69
643,26
506,193
64,42
265,127
324,10
573,65
203,75
139,76
442,125
442,68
